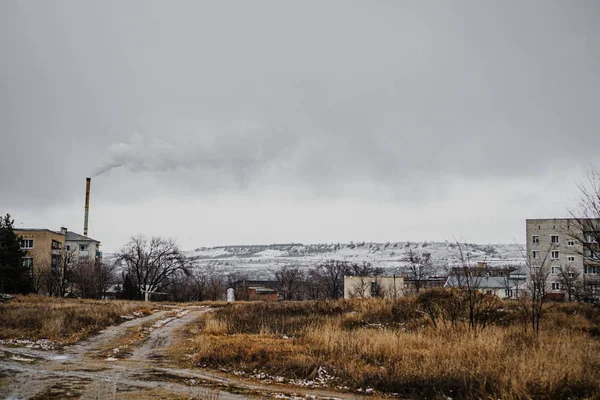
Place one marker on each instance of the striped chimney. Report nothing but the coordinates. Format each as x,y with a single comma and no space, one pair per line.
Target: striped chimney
87,205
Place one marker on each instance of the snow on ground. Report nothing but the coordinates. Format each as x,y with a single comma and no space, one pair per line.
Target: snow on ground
261,261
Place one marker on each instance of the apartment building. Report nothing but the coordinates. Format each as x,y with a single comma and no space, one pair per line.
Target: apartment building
568,249
43,250
79,247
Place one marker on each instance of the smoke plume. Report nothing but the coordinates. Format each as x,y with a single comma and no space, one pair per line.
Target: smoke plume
237,151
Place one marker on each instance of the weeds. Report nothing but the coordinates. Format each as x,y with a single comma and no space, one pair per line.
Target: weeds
392,347
62,321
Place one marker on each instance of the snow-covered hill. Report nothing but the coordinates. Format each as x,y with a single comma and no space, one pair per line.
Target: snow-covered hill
261,261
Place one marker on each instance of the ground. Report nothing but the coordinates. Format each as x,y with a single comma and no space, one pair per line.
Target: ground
127,361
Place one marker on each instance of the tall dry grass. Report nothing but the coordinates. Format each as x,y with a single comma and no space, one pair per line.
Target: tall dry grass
391,347
63,321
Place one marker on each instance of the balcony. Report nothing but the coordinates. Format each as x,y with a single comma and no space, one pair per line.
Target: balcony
56,252
84,253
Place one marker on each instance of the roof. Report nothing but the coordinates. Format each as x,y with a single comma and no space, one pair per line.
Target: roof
76,237
36,230
485,282
262,289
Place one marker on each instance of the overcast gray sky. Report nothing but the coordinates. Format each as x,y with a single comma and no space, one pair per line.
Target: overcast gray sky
229,122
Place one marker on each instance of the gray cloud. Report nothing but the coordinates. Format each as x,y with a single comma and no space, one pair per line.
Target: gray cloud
405,99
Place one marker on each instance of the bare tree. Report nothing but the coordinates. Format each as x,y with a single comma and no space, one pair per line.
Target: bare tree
584,230
215,287
570,280
364,269
153,262
376,288
65,274
468,280
289,282
330,278
91,278
538,286
360,287
419,266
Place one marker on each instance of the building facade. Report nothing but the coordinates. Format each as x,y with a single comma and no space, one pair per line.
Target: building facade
373,286
79,247
44,251
47,252
567,250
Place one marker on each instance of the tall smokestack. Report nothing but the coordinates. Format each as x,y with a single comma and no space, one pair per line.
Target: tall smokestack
87,205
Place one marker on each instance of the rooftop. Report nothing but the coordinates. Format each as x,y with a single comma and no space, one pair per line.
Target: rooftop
37,230
76,237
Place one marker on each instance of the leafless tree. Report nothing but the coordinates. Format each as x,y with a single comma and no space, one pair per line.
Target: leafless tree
419,266
570,280
377,289
91,278
329,277
152,262
289,282
360,287
215,287
481,307
584,230
538,286
468,281
364,269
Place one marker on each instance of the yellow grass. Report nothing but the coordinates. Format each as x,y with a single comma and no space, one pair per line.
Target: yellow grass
63,321
385,346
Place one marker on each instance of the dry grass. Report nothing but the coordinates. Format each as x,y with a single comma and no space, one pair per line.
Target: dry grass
62,321
390,347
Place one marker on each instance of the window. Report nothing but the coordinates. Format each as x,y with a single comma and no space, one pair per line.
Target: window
571,243
555,286
555,270
591,269
26,244
68,247
83,247
535,239
508,292
570,258
571,275
373,288
535,254
554,239
589,253
555,255
28,262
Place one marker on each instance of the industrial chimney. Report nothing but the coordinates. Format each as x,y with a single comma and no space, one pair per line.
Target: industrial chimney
87,205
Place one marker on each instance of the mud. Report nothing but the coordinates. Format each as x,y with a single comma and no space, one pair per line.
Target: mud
83,371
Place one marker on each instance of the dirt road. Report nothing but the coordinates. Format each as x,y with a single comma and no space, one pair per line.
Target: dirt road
118,363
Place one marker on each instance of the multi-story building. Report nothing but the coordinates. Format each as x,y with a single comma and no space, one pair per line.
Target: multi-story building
79,247
567,250
43,251
47,250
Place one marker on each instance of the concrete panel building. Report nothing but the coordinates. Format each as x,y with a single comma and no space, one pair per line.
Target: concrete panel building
81,247
565,247
44,250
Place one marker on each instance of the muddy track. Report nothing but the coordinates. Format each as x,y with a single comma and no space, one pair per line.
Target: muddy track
88,371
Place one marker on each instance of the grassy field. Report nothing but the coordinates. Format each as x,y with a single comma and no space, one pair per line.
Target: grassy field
62,321
390,347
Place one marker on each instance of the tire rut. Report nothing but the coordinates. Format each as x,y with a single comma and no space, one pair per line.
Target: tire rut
76,372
